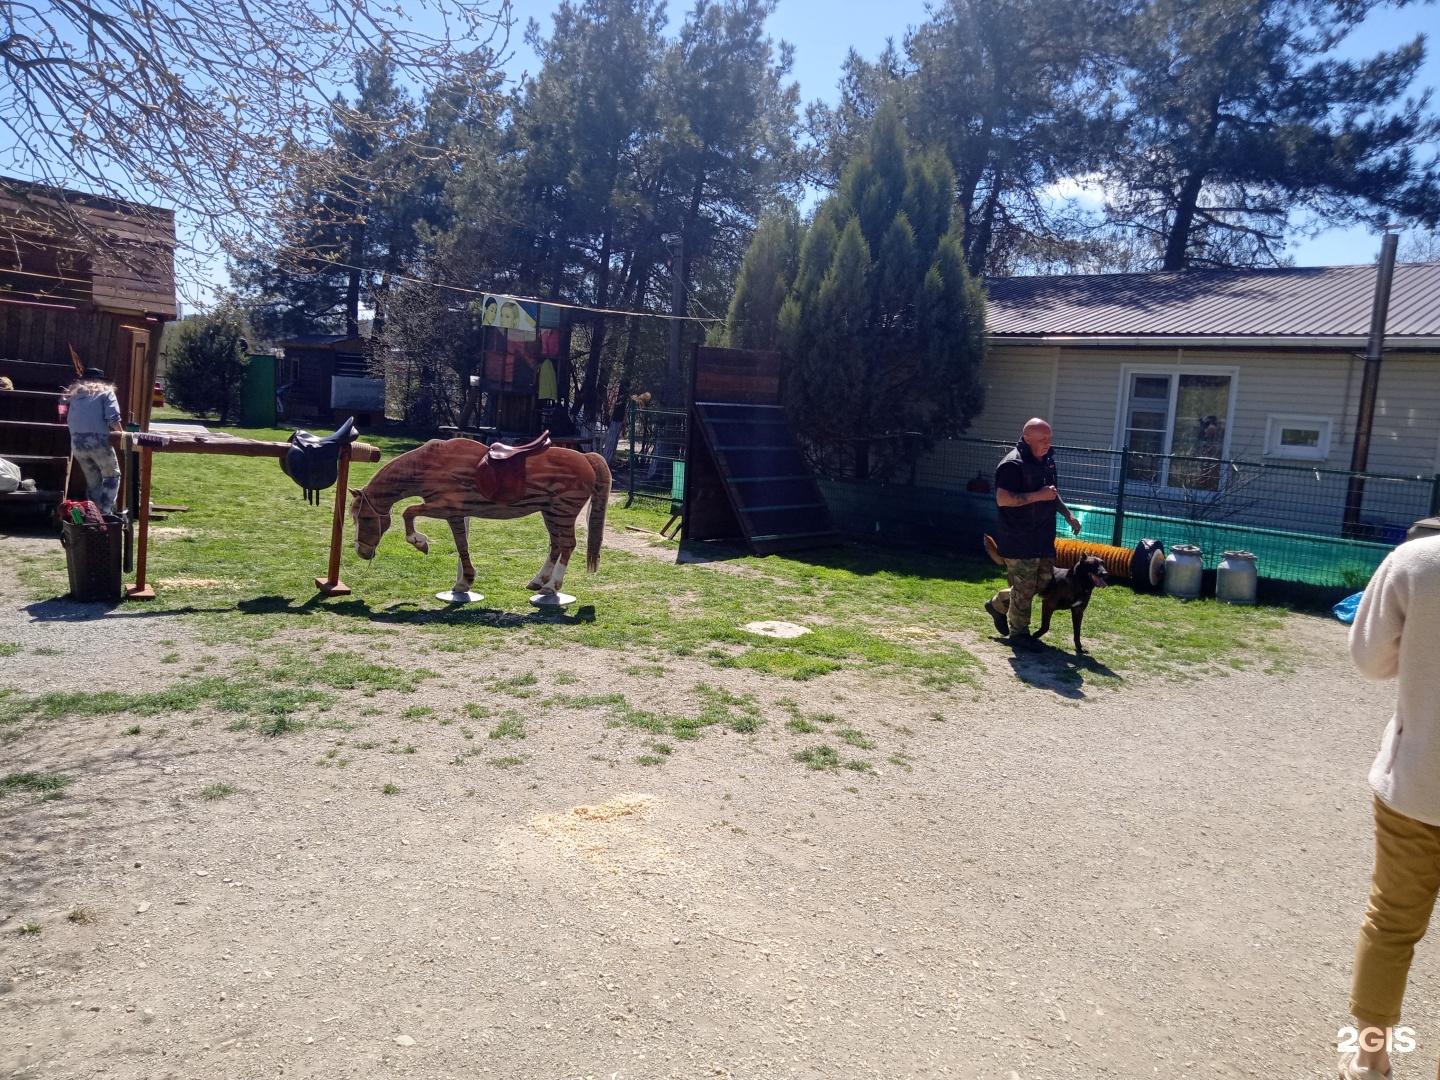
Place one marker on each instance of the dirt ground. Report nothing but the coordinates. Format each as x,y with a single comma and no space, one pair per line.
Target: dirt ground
1163,880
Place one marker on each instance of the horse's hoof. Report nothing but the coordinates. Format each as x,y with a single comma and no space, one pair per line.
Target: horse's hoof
421,543
536,582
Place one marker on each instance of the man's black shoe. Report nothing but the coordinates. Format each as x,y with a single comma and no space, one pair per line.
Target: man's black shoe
1002,625
1021,641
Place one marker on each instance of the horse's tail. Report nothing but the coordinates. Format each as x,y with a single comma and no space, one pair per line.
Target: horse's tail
599,500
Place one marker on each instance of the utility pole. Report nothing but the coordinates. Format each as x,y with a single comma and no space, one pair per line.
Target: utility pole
1370,385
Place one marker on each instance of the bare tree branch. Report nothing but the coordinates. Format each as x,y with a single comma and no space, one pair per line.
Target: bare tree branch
207,106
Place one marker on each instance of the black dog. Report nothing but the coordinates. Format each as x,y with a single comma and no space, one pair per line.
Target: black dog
1071,589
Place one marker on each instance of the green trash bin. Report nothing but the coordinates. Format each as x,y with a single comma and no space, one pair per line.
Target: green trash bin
92,558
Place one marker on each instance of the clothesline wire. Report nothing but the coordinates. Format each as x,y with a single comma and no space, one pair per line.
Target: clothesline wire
530,299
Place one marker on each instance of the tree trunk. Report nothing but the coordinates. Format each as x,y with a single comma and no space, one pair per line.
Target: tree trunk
1177,243
980,244
862,459
597,329
352,286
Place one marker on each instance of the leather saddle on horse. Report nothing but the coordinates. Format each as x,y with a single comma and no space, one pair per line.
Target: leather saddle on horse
313,461
500,476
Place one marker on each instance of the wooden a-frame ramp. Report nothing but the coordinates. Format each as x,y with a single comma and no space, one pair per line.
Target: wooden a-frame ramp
745,476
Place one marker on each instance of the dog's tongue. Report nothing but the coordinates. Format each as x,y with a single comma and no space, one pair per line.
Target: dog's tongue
1100,583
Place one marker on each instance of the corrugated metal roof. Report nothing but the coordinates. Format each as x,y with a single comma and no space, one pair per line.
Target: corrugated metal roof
1305,301
319,339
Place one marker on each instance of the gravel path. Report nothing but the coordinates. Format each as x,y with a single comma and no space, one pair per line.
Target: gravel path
1164,880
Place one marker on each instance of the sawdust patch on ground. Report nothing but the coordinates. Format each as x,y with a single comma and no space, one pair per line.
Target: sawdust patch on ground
601,833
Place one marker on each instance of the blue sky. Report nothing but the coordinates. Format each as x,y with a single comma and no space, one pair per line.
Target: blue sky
823,31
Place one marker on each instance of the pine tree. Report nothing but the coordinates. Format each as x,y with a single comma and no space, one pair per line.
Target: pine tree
882,324
206,365
1241,127
762,283
1017,93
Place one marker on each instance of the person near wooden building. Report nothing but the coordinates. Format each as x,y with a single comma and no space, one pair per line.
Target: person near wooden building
93,413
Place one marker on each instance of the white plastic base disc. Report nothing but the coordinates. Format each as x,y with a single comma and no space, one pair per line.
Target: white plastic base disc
552,599
459,597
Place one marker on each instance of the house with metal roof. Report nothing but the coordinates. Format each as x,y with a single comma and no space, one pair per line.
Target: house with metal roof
1256,366
1271,360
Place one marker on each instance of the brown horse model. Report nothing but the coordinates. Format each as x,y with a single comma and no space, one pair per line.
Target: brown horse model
558,483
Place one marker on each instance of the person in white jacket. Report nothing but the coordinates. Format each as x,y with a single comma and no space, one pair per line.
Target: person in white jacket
1396,635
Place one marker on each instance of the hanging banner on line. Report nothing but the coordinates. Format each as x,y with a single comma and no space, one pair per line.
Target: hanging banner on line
515,316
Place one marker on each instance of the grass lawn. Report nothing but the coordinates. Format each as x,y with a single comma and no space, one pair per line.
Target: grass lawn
241,565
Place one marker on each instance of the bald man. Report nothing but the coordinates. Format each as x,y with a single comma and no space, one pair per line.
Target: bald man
1028,500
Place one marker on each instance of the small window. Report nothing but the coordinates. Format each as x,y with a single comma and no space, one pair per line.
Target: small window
1304,438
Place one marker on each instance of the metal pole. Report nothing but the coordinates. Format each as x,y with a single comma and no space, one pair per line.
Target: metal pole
631,498
1117,534
1369,387
1434,497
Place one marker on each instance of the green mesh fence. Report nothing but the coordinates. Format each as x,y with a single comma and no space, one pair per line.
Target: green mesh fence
1313,560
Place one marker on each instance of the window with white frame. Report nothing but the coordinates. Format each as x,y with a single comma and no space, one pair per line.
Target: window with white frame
1304,438
1184,413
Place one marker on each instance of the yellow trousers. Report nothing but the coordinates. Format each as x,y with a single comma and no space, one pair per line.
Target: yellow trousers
1402,895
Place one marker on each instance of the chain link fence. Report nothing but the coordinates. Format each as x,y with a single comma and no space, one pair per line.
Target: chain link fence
654,463
1291,516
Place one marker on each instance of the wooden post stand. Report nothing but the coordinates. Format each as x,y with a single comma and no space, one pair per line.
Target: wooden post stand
140,590
331,585
150,443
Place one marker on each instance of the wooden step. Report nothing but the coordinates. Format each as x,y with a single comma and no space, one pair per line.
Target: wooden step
36,459
39,495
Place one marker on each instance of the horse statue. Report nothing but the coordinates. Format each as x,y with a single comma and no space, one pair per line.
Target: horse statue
554,482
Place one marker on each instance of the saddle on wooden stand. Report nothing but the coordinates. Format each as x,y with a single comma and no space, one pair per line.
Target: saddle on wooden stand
500,476
313,461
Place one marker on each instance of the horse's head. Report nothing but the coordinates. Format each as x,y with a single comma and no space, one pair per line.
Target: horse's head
370,524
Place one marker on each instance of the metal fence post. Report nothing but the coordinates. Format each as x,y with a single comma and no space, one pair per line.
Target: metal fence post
1117,534
630,498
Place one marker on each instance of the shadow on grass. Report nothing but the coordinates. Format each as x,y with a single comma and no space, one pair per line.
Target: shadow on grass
63,609
409,613
1053,669
862,560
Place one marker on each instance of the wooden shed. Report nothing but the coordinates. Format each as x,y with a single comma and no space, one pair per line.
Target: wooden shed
327,377
81,277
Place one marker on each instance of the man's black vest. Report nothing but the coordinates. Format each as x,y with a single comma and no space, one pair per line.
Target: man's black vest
1026,532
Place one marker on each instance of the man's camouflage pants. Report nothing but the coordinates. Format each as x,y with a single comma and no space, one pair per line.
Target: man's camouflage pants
1027,577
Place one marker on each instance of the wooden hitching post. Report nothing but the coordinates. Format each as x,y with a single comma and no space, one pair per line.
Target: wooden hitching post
332,585
140,590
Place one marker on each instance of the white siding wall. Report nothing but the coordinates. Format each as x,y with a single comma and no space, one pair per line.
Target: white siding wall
1079,391
1017,387
1407,415
1087,392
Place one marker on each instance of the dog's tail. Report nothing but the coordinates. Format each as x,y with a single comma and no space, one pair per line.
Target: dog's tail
599,500
992,550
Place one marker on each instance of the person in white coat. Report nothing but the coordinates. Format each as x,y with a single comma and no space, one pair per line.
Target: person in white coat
1395,636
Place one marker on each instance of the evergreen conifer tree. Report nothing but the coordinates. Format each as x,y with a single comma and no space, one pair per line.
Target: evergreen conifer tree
882,323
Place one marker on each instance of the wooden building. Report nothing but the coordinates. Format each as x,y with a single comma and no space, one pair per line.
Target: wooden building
326,377
81,278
